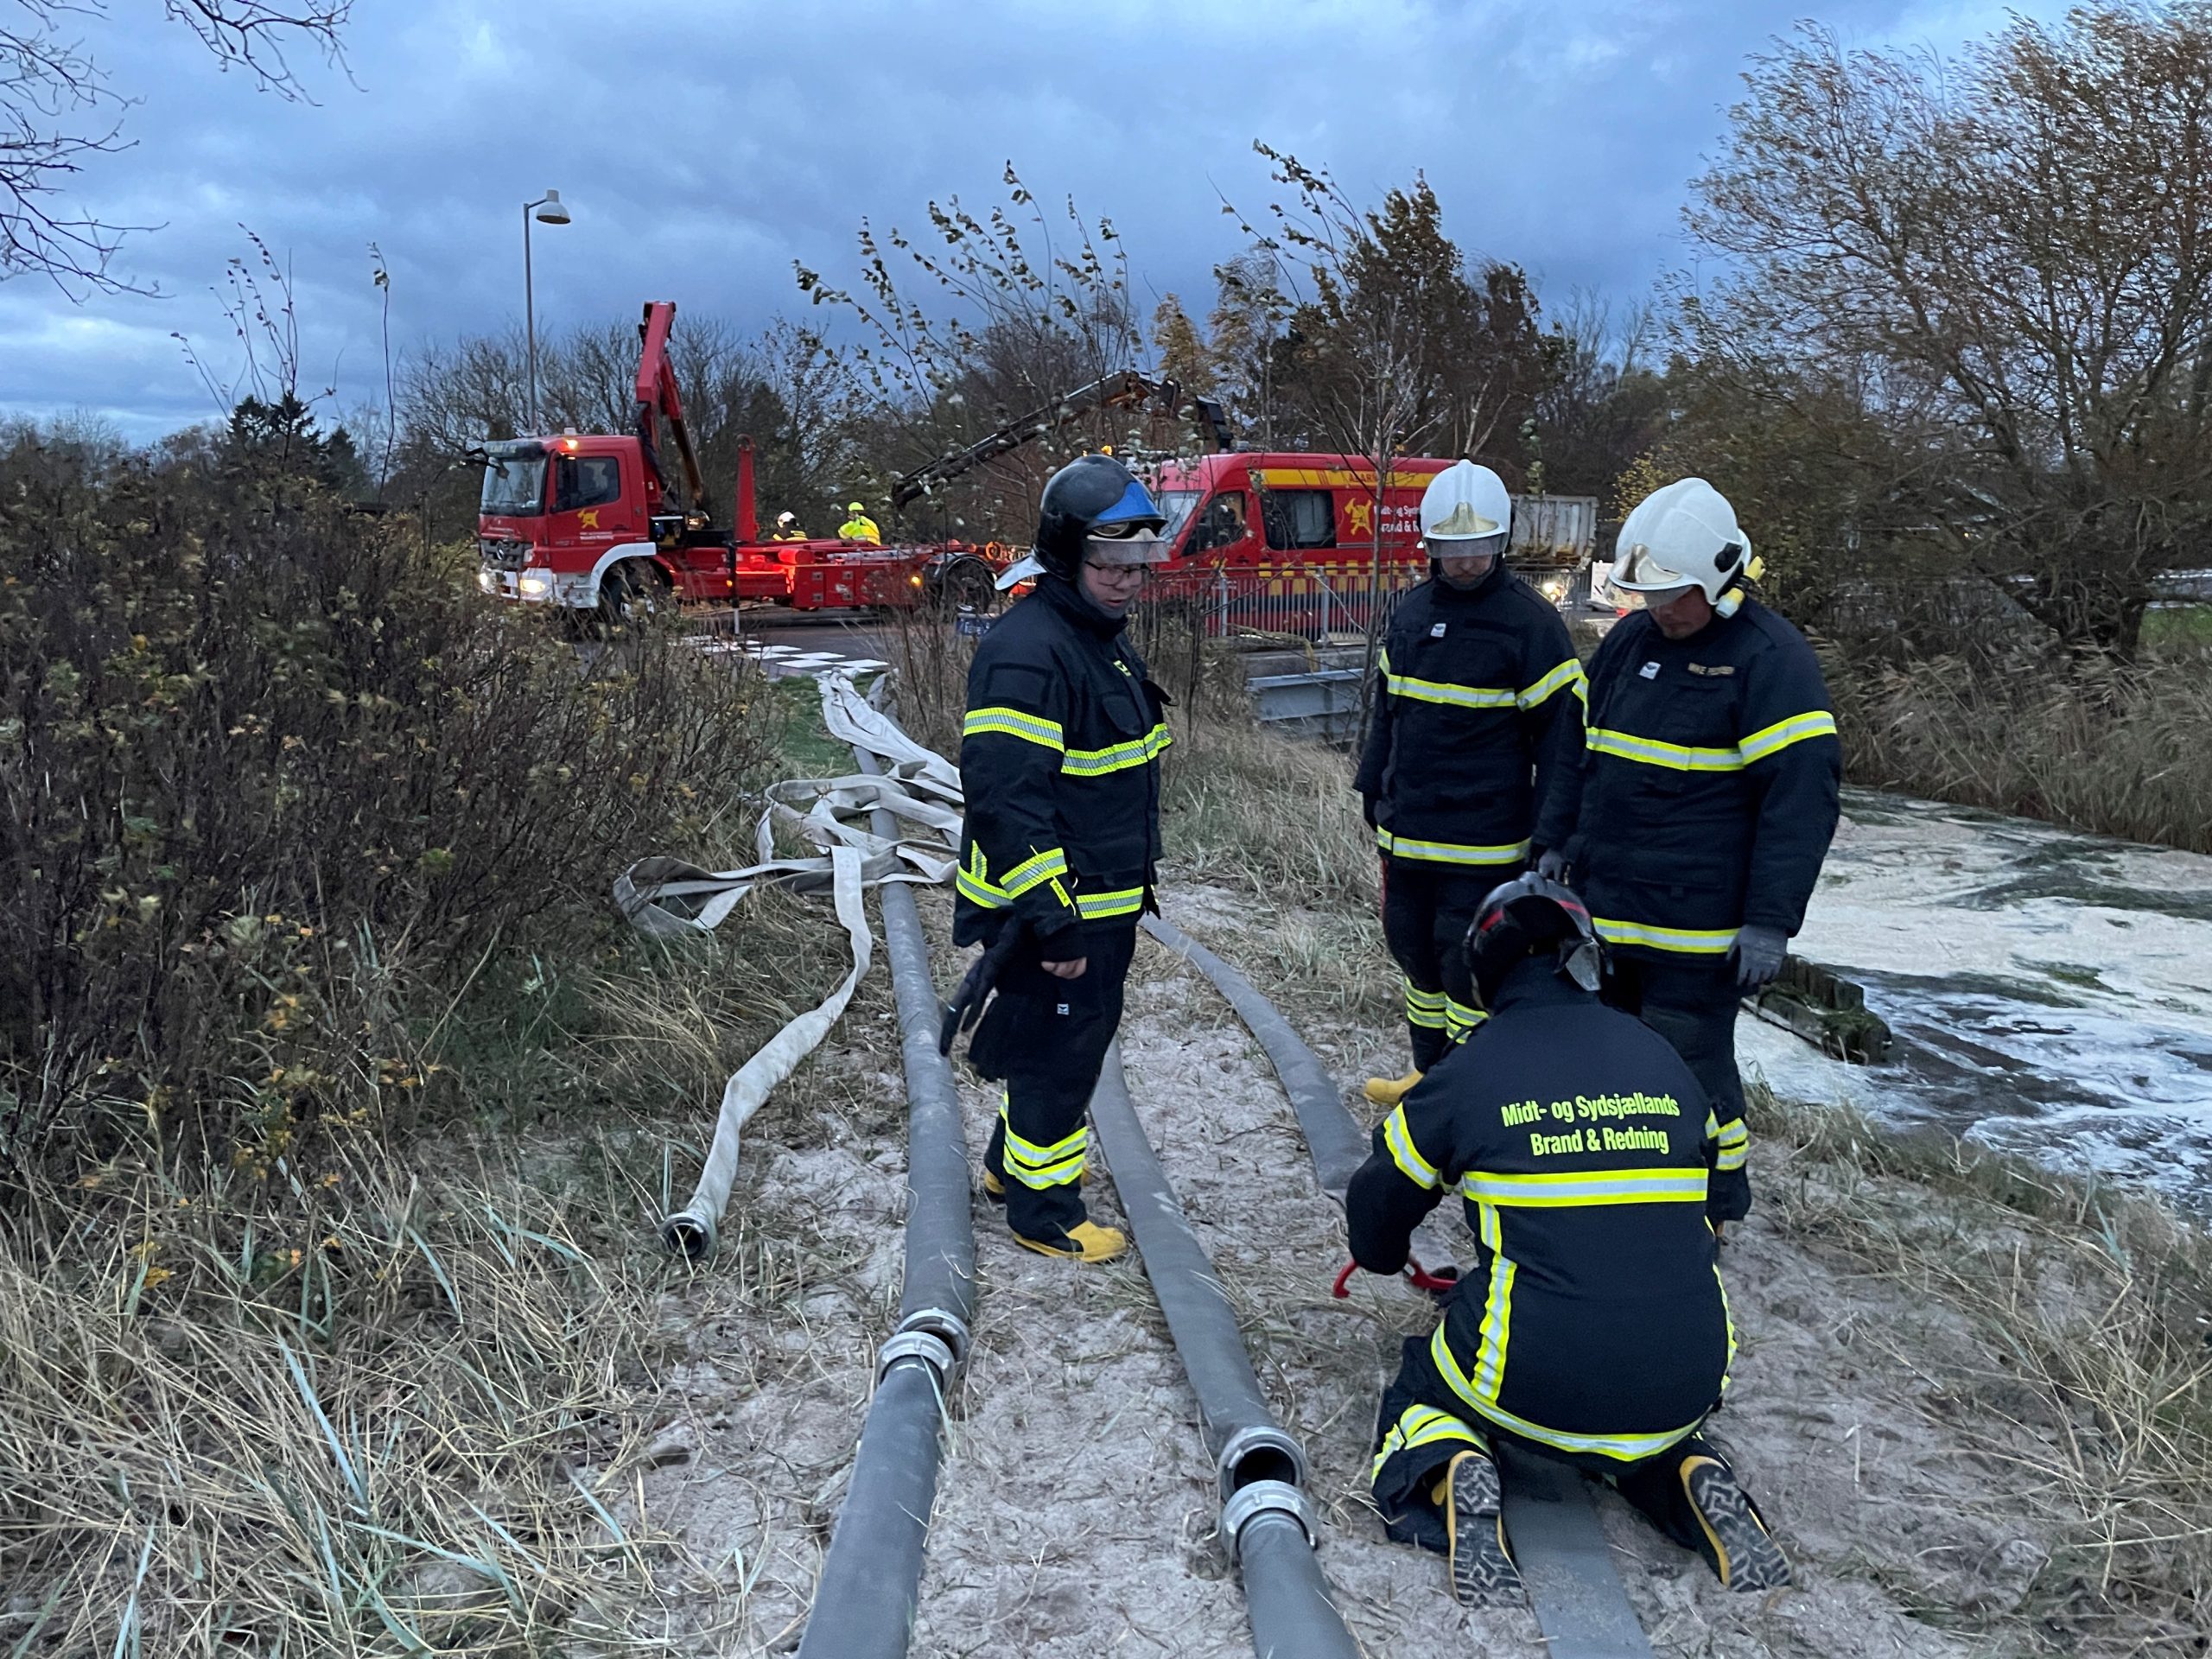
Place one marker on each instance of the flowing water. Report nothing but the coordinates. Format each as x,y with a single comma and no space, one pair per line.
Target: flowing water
2051,993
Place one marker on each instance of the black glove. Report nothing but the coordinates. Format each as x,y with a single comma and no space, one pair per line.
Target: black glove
1757,955
1551,864
966,1007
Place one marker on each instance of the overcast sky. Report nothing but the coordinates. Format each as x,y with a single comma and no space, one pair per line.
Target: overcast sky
704,145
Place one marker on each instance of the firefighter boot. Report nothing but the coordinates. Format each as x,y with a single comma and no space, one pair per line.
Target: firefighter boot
1732,1534
1483,1573
1084,1242
1388,1092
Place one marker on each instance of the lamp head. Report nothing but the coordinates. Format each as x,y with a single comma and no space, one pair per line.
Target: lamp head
551,211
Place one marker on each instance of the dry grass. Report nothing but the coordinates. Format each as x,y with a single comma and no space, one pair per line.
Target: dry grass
2117,751
2092,1307
407,1398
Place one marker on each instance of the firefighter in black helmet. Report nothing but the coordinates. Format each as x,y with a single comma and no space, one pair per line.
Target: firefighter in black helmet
1059,759
1594,1325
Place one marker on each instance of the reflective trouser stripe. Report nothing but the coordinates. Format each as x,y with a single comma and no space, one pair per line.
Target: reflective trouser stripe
1626,1448
1735,1143
1424,1008
1691,941
1419,1426
1040,1167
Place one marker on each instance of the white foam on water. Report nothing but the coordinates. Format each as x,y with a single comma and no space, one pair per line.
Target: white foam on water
2051,992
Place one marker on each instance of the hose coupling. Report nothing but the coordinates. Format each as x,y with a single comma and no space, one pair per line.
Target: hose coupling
935,1336
1259,1452
1248,1505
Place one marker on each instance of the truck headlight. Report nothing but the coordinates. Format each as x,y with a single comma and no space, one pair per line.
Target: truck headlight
535,584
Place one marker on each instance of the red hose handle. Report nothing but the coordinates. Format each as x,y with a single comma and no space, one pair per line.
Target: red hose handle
1418,1276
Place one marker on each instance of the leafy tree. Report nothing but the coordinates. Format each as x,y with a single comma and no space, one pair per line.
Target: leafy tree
1997,269
1184,357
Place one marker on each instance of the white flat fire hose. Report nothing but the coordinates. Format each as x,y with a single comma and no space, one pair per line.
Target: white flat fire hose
667,898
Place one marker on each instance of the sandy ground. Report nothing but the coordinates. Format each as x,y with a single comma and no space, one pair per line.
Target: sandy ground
1075,1513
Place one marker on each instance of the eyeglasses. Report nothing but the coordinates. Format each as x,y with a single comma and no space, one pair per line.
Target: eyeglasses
1116,571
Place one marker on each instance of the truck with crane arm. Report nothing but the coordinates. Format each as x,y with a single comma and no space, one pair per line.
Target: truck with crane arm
589,522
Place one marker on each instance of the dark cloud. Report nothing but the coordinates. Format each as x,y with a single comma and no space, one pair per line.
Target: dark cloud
704,146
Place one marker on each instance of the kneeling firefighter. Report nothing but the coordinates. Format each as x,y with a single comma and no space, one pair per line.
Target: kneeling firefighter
1473,698
1593,1325
1059,757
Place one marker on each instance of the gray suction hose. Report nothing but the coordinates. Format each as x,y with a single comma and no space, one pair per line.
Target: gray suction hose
865,1598
1265,1519
1565,1562
1337,1143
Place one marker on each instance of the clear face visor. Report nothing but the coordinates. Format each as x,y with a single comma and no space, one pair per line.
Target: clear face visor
1465,547
1134,549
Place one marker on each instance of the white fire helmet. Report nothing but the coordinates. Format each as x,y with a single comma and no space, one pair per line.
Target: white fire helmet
1684,535
1467,505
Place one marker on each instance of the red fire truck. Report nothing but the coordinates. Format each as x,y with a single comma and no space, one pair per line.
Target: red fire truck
588,520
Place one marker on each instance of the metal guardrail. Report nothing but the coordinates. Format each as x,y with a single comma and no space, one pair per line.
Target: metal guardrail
1309,601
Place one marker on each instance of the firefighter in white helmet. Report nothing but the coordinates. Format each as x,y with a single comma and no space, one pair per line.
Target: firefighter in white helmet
1474,694
1698,822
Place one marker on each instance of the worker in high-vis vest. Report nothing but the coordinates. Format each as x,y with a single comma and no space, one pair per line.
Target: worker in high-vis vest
1698,821
859,527
1473,710
1060,758
1593,1326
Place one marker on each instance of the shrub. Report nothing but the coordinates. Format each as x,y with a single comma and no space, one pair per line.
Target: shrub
274,782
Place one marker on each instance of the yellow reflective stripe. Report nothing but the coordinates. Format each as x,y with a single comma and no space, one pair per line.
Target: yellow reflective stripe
980,893
1099,906
1487,1228
1043,866
1783,733
1582,690
1041,1167
1442,691
1497,1328
1424,1009
1691,941
1578,1188
1012,722
1419,1426
1459,1020
1651,752
1406,1155
1735,1145
1627,1448
1449,852
1095,763
1568,673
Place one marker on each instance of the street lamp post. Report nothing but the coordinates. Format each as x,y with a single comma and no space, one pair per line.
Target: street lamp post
549,211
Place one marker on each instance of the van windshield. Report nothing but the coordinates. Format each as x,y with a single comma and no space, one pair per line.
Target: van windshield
1177,505
514,486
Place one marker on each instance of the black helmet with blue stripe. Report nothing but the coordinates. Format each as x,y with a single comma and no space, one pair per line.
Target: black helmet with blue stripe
1095,502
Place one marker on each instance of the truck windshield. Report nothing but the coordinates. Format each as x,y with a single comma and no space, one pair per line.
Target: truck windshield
1177,505
514,486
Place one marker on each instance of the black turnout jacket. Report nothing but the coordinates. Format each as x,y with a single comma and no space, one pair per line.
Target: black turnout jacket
1060,758
1475,709
1593,1319
1706,794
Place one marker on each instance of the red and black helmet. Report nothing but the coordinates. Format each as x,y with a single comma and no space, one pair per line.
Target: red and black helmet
1527,917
